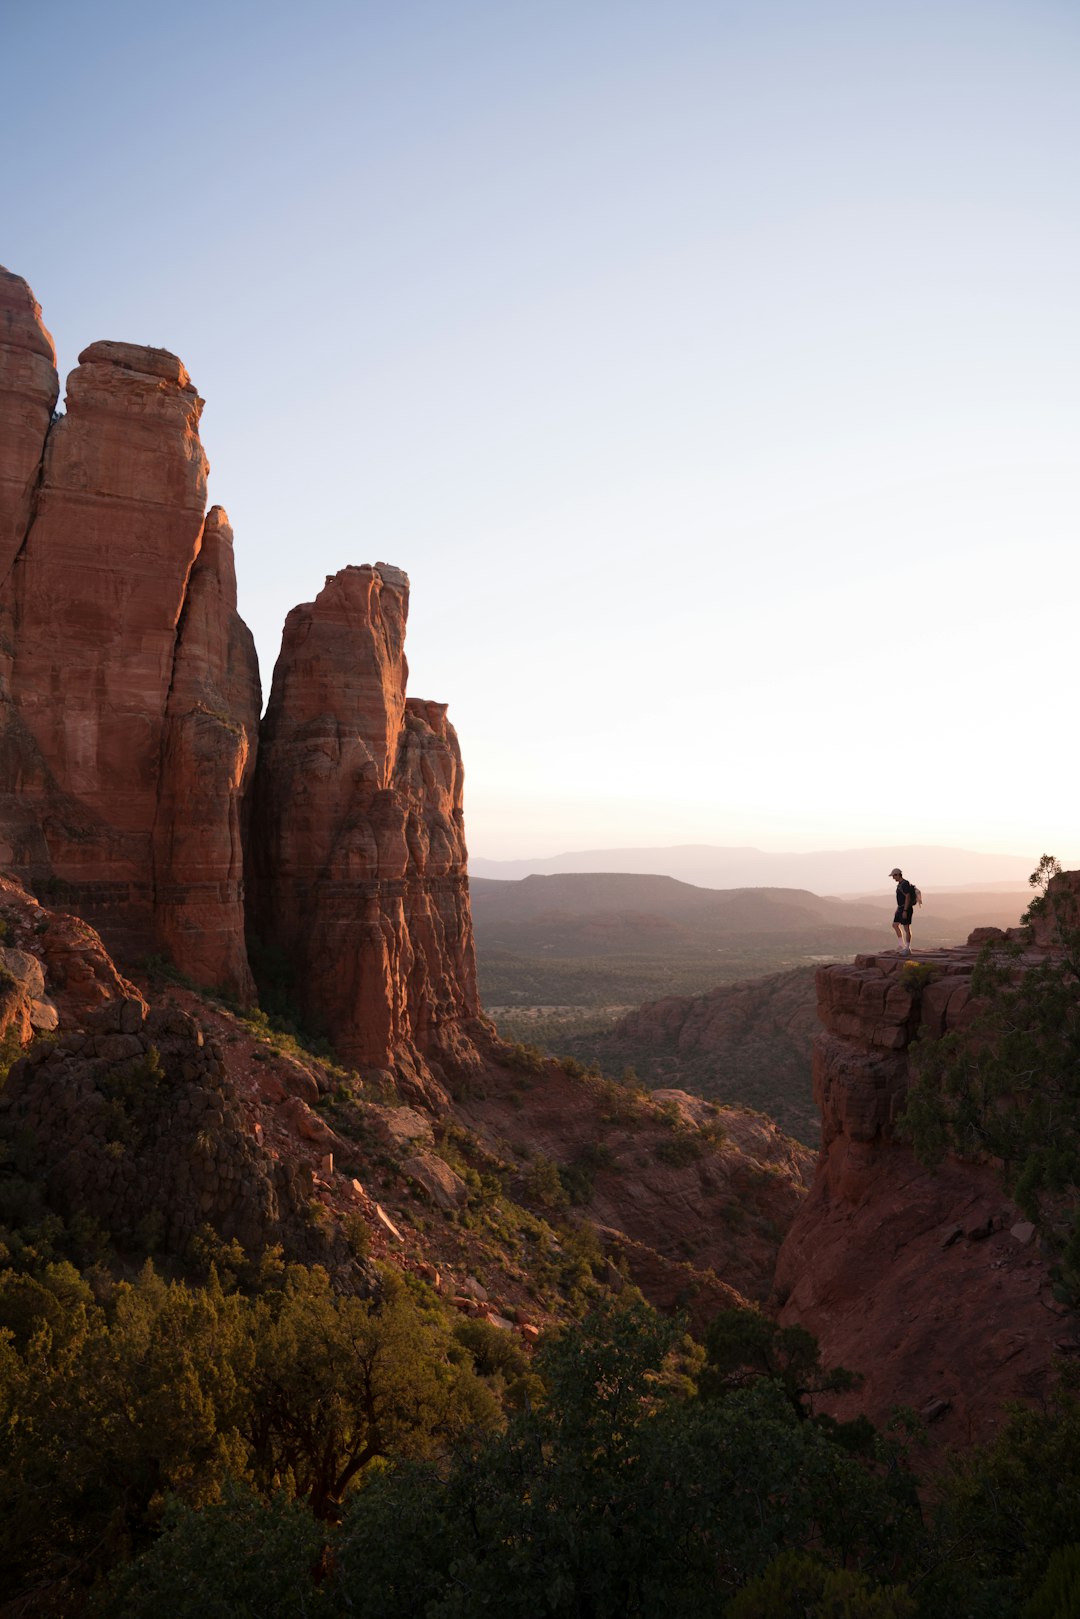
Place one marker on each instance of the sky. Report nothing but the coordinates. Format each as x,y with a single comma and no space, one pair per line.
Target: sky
713,369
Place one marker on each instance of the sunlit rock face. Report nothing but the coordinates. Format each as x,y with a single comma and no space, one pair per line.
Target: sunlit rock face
926,1282
28,390
128,685
357,872
207,761
129,721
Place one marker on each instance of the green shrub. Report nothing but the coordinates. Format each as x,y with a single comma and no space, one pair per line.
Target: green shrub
682,1147
798,1586
527,1059
237,1558
1058,1595
543,1183
494,1350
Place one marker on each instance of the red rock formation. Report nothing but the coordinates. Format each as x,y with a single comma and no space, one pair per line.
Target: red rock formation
129,702
28,390
926,1282
207,761
96,596
358,851
71,971
1061,911
128,686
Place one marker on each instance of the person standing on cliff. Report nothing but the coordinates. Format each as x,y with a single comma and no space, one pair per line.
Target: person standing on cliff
907,897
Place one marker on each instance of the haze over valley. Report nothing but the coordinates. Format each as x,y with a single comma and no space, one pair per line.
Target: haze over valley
564,961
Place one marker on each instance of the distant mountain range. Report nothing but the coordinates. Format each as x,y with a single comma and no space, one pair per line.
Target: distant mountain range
588,914
828,871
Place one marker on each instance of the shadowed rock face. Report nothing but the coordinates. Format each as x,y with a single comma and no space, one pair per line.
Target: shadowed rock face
927,1282
358,853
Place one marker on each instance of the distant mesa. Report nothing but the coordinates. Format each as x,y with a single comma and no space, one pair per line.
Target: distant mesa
844,871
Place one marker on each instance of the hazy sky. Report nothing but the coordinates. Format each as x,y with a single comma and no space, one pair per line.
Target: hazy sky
713,370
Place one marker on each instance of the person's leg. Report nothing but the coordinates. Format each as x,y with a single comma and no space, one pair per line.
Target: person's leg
899,935
905,930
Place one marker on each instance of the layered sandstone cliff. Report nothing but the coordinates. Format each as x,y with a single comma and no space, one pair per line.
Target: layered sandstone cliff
929,1283
129,722
357,871
129,694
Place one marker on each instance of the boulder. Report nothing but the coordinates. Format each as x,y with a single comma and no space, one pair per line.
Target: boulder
400,1126
445,1189
387,1224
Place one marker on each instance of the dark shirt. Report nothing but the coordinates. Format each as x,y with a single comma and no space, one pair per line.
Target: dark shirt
905,895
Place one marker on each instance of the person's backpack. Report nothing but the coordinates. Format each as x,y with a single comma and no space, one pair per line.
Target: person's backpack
918,895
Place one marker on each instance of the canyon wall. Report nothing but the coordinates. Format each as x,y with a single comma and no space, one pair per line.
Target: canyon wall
883,1250
129,722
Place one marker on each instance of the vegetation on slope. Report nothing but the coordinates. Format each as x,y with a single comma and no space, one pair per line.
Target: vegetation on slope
202,1450
749,1042
233,1435
239,1436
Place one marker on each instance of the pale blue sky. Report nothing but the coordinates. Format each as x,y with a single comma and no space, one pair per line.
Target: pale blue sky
713,369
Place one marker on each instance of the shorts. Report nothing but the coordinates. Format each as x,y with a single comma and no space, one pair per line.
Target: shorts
903,916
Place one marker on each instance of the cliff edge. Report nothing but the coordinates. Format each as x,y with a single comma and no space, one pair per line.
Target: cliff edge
931,1284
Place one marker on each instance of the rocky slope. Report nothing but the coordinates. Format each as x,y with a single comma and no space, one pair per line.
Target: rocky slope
928,1283
169,1121
750,1042
701,1192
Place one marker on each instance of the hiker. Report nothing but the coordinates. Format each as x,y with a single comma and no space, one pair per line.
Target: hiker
907,897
